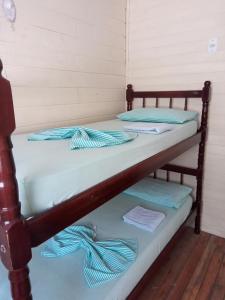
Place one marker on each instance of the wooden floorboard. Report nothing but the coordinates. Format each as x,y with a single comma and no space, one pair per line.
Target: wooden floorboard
195,270
194,285
218,291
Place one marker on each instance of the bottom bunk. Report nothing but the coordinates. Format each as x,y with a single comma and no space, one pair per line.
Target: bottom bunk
63,278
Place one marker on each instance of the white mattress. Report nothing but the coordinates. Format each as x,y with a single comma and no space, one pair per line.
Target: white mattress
62,278
48,172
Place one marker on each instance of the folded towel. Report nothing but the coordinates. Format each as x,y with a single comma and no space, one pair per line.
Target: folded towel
154,128
144,218
84,137
104,260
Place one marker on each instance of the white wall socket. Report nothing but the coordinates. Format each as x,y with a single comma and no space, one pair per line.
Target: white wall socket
212,45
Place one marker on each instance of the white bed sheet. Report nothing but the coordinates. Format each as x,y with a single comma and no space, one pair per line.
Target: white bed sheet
62,278
48,172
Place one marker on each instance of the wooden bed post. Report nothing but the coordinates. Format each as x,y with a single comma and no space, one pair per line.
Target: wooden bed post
15,249
201,153
129,97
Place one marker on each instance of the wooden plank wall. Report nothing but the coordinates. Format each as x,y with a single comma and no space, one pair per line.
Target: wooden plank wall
167,49
66,61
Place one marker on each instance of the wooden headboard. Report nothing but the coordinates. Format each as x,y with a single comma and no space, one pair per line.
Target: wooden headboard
202,94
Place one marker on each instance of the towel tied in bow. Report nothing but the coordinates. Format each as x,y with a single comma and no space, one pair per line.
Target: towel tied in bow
82,137
104,260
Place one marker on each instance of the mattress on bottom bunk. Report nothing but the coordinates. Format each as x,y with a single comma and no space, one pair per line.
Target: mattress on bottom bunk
62,278
48,172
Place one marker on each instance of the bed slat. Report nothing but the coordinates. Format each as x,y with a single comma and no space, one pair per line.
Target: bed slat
180,169
167,176
181,178
186,104
144,103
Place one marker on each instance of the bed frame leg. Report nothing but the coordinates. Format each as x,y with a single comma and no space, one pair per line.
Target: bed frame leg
20,284
15,245
199,203
198,224
197,229
199,196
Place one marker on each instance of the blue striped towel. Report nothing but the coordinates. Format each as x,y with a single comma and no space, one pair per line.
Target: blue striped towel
82,137
104,260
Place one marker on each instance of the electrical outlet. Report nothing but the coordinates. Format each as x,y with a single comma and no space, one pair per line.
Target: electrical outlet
212,45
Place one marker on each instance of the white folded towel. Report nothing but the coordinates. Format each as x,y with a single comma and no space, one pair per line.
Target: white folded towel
144,218
144,127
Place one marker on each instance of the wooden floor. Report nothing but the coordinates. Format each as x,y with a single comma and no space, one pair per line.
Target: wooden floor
194,270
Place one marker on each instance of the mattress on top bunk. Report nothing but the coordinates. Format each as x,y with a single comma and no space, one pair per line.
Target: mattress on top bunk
48,172
62,278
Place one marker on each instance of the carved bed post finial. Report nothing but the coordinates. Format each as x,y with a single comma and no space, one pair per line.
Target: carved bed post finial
205,100
201,153
1,67
7,118
207,83
129,97
205,107
15,249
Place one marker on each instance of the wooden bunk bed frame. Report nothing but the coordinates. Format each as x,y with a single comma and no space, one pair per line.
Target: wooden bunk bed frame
19,235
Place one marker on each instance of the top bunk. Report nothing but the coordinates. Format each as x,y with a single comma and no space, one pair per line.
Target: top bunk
58,173
116,168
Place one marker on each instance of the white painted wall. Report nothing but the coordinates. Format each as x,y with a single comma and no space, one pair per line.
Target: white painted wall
167,49
65,60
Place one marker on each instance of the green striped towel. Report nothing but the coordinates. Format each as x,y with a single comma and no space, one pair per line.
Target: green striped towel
82,137
104,260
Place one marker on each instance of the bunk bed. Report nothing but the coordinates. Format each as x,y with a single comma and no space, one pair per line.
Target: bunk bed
19,234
